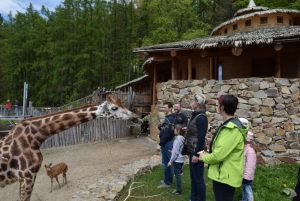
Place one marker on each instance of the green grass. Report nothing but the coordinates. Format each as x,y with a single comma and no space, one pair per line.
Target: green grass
4,122
267,186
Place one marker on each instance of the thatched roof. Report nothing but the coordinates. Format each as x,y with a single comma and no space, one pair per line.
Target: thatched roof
132,81
250,9
250,15
239,39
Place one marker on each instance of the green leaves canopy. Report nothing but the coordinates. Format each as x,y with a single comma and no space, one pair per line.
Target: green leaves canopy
65,54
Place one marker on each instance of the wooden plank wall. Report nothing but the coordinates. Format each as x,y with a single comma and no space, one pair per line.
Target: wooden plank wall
96,130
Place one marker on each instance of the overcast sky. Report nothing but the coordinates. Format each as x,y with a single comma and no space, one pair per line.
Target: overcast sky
20,5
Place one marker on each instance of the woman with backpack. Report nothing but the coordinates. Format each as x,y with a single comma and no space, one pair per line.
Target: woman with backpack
226,155
195,142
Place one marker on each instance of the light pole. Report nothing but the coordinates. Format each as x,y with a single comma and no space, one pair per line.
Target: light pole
25,95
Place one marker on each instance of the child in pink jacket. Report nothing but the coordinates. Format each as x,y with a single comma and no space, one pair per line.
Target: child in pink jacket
249,171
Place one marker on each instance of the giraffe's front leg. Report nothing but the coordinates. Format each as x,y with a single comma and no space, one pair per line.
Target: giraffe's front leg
26,187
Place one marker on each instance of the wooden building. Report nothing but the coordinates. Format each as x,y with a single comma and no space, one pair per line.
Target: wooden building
140,92
256,42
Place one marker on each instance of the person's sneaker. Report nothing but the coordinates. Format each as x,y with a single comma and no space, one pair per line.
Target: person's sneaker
162,181
175,192
163,185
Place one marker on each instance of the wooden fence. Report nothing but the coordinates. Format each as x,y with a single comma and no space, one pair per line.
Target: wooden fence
95,130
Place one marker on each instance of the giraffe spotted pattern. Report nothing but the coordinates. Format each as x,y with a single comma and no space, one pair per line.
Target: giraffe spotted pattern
20,155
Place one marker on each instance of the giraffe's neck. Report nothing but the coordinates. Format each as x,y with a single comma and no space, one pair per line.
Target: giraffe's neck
42,128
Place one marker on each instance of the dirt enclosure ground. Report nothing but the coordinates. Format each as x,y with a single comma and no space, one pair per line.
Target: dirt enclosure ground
86,163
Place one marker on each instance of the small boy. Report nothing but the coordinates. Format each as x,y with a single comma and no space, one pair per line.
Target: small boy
177,159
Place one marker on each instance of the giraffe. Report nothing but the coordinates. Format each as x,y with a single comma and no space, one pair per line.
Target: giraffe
20,155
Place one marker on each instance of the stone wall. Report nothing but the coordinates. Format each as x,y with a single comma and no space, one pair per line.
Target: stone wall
270,104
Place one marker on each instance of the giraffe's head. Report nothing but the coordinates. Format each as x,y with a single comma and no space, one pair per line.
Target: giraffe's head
113,107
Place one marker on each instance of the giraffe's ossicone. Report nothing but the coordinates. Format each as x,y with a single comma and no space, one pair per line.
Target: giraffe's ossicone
20,156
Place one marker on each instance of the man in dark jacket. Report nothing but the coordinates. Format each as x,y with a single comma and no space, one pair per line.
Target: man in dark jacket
195,140
166,136
180,117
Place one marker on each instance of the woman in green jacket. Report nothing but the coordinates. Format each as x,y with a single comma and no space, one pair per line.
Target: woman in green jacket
226,155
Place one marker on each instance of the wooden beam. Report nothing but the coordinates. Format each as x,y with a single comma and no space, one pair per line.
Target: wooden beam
216,68
162,59
278,65
198,54
173,69
154,85
210,68
189,68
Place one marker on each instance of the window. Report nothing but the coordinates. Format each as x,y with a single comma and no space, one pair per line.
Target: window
248,23
264,20
225,31
279,19
235,26
220,72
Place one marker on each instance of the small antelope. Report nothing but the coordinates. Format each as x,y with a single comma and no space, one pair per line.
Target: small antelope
54,171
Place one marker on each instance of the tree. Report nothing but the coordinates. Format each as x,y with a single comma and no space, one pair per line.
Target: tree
170,21
67,53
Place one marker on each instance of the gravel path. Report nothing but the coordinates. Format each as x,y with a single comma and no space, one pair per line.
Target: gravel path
86,163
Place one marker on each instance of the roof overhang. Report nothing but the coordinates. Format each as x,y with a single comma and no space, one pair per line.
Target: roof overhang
140,50
132,81
239,39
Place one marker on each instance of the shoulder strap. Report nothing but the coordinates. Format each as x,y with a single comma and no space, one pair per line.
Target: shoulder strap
236,121
167,119
175,118
169,122
201,114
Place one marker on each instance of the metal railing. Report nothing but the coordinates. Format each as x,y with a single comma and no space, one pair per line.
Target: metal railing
14,111
97,97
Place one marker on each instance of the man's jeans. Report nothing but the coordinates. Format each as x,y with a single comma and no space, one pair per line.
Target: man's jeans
166,151
177,172
198,187
247,190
